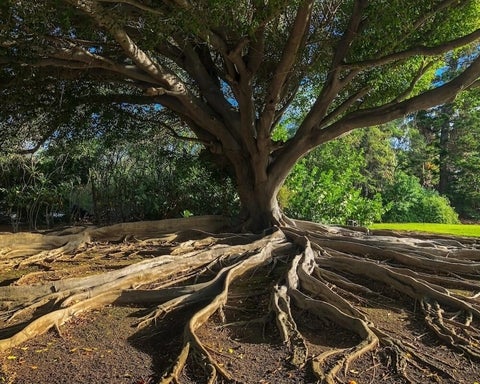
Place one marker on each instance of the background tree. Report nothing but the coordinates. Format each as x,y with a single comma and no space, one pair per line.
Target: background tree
441,147
464,183
334,183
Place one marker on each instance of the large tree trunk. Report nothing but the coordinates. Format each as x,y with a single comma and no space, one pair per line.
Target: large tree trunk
258,191
260,209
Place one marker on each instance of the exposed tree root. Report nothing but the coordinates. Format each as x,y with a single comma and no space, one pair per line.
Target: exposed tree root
334,274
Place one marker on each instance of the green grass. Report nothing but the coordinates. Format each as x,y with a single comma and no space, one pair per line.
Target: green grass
472,230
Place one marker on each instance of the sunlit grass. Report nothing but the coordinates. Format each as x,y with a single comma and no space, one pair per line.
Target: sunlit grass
453,229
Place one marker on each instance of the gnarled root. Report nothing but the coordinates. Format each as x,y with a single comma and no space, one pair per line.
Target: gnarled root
220,286
338,276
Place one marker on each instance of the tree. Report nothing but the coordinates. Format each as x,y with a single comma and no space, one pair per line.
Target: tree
415,153
443,148
229,71
410,202
232,78
464,156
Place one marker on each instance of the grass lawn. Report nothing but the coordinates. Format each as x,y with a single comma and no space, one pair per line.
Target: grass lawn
453,229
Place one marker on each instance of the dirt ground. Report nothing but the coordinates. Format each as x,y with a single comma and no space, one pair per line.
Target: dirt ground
104,346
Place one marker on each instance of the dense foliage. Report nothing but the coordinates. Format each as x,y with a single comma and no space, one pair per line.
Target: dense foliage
409,202
330,185
342,182
91,182
225,74
368,176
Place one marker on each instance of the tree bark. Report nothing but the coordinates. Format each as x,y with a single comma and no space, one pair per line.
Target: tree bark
257,190
260,209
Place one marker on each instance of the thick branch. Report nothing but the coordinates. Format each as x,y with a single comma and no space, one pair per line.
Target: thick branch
287,61
79,56
200,66
388,112
417,51
193,109
139,57
244,94
79,59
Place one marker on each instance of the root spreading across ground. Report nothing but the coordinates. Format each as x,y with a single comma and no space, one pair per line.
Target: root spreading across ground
379,287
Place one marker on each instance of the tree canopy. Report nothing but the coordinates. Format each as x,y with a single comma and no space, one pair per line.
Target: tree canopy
229,71
228,75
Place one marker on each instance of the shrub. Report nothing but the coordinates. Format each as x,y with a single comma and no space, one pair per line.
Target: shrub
409,202
311,193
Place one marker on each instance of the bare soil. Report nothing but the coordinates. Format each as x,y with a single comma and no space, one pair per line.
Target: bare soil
105,346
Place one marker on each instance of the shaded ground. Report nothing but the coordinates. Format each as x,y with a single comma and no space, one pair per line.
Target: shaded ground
104,346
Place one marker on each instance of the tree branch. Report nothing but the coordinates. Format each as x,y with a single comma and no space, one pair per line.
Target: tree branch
394,110
201,69
288,100
333,84
91,60
192,108
475,84
298,146
416,51
426,16
350,33
184,4
414,81
184,138
173,132
39,143
135,4
139,57
256,50
342,108
287,61
242,86
63,61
